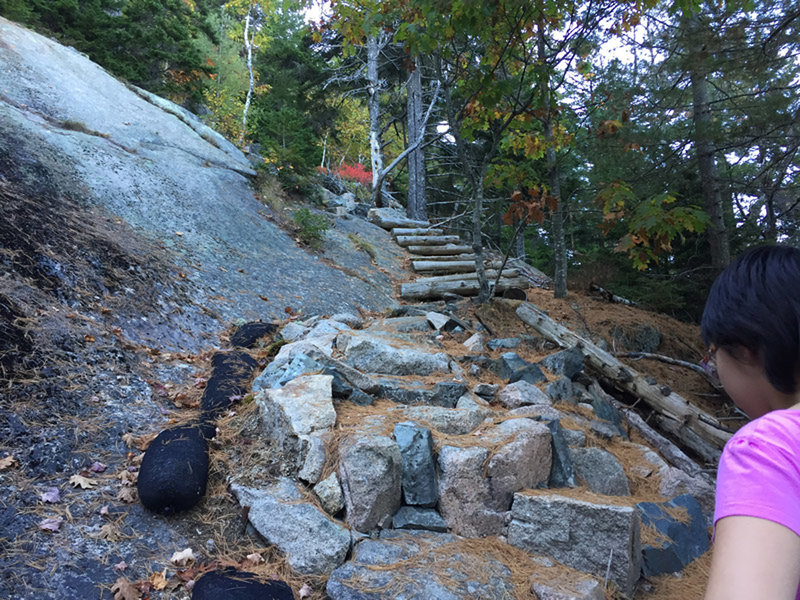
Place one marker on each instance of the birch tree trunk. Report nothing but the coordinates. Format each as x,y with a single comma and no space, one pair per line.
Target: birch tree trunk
373,104
704,147
417,207
248,44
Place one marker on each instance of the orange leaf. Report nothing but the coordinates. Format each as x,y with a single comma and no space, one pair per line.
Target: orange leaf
158,581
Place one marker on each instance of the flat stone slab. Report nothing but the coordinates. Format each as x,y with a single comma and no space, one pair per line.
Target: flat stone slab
429,566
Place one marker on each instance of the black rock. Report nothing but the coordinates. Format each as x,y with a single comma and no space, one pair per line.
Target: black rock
562,471
248,334
230,584
340,388
232,372
513,368
174,470
684,541
361,398
567,362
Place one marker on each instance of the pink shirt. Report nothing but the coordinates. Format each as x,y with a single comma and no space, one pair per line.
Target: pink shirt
759,472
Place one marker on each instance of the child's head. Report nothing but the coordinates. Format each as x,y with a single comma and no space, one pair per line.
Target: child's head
754,308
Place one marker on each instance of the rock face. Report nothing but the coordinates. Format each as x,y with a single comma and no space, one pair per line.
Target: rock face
601,471
419,469
313,543
684,539
68,124
582,535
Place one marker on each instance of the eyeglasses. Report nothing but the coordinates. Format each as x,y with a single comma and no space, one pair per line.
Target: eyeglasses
709,364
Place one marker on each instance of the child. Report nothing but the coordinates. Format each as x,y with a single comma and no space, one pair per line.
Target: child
751,323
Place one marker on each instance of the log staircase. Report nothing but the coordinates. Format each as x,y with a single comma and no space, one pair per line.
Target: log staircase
444,263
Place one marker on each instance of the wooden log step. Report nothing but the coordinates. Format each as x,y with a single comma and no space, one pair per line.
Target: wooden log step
491,274
389,218
416,231
463,287
440,250
427,240
448,257
446,267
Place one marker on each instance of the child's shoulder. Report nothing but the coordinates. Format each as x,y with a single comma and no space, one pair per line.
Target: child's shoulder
779,427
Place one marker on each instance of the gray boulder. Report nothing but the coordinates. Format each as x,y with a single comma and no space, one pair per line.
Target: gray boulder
370,468
292,413
601,471
521,393
582,535
329,492
312,542
375,356
476,486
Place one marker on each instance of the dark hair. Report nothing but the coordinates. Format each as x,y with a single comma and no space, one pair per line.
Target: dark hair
755,304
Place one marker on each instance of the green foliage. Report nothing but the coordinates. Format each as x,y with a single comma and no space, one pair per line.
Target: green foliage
363,245
151,43
311,227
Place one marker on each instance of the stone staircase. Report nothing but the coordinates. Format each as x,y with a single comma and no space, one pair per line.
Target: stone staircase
444,264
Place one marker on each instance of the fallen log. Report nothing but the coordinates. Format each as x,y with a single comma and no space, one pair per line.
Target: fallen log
416,231
439,250
426,240
389,218
669,451
490,274
464,287
691,422
446,257
444,267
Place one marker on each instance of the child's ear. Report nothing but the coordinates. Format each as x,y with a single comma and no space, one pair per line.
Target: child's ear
744,355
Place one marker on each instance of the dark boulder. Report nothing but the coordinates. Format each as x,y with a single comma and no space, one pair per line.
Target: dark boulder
248,334
230,584
174,470
232,372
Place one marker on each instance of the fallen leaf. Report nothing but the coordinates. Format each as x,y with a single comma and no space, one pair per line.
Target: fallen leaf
83,482
104,511
305,591
88,338
50,495
121,566
129,439
128,477
124,590
254,558
8,462
98,467
50,524
158,581
179,233
264,298
182,558
108,532
127,495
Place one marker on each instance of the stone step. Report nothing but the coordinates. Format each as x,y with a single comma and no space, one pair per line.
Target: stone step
416,231
439,250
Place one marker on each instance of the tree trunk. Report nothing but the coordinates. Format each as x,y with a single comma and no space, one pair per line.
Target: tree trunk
557,218
248,44
416,208
373,104
704,147
477,239
519,241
